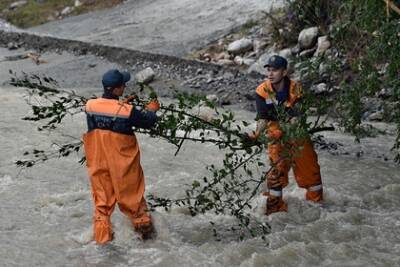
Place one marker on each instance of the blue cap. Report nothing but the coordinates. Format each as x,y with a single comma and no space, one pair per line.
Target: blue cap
277,62
114,78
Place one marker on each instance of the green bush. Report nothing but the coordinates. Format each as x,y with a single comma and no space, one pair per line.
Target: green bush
367,46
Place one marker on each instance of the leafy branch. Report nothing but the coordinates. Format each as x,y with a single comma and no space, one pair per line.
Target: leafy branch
229,188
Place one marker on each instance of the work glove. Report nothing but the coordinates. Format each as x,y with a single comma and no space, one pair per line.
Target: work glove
274,134
249,140
253,135
153,105
130,98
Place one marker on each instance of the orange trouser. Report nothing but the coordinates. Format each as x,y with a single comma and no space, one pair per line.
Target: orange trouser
116,176
302,157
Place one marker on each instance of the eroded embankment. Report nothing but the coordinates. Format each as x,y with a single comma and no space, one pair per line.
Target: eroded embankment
196,76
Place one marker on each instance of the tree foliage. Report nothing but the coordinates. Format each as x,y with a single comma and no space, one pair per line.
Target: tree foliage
364,60
230,186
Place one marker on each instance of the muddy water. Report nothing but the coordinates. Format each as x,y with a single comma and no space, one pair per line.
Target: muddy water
45,211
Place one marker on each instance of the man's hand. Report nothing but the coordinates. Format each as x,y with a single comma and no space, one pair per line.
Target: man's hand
129,98
253,135
153,105
274,134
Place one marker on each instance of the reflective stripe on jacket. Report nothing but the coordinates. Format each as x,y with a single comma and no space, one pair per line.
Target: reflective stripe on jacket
266,91
113,115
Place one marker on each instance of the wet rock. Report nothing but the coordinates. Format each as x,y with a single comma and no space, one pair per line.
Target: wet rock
12,46
206,57
248,61
260,63
286,53
296,50
313,110
251,55
221,90
320,88
51,18
259,45
323,69
240,46
226,99
17,4
388,109
223,55
238,60
285,34
225,62
66,11
206,113
210,80
228,75
371,104
212,98
323,45
197,85
382,69
385,93
307,53
376,116
145,76
77,3
308,37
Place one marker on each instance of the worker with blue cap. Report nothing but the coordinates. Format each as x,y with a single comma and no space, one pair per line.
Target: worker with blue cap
280,91
113,157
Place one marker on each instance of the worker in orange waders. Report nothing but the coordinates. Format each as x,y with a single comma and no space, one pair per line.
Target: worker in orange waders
278,91
113,157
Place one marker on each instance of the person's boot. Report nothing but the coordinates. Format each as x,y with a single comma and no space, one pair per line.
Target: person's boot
102,229
145,231
315,193
275,204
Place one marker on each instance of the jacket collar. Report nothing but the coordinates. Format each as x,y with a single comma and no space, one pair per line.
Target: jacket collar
108,95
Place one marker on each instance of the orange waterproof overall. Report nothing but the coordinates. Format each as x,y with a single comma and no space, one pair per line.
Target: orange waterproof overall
300,154
116,176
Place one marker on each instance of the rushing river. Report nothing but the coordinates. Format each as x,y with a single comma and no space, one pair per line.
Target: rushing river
45,211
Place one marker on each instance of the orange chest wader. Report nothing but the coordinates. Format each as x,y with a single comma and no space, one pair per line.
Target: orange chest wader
306,168
113,163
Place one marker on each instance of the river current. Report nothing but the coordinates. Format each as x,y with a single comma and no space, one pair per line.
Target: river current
46,211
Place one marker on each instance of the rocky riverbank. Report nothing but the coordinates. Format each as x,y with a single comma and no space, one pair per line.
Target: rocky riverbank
229,85
309,49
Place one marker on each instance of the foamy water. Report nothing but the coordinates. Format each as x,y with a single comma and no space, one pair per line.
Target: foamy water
46,210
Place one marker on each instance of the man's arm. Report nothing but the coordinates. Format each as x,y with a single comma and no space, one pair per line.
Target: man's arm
265,111
143,118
